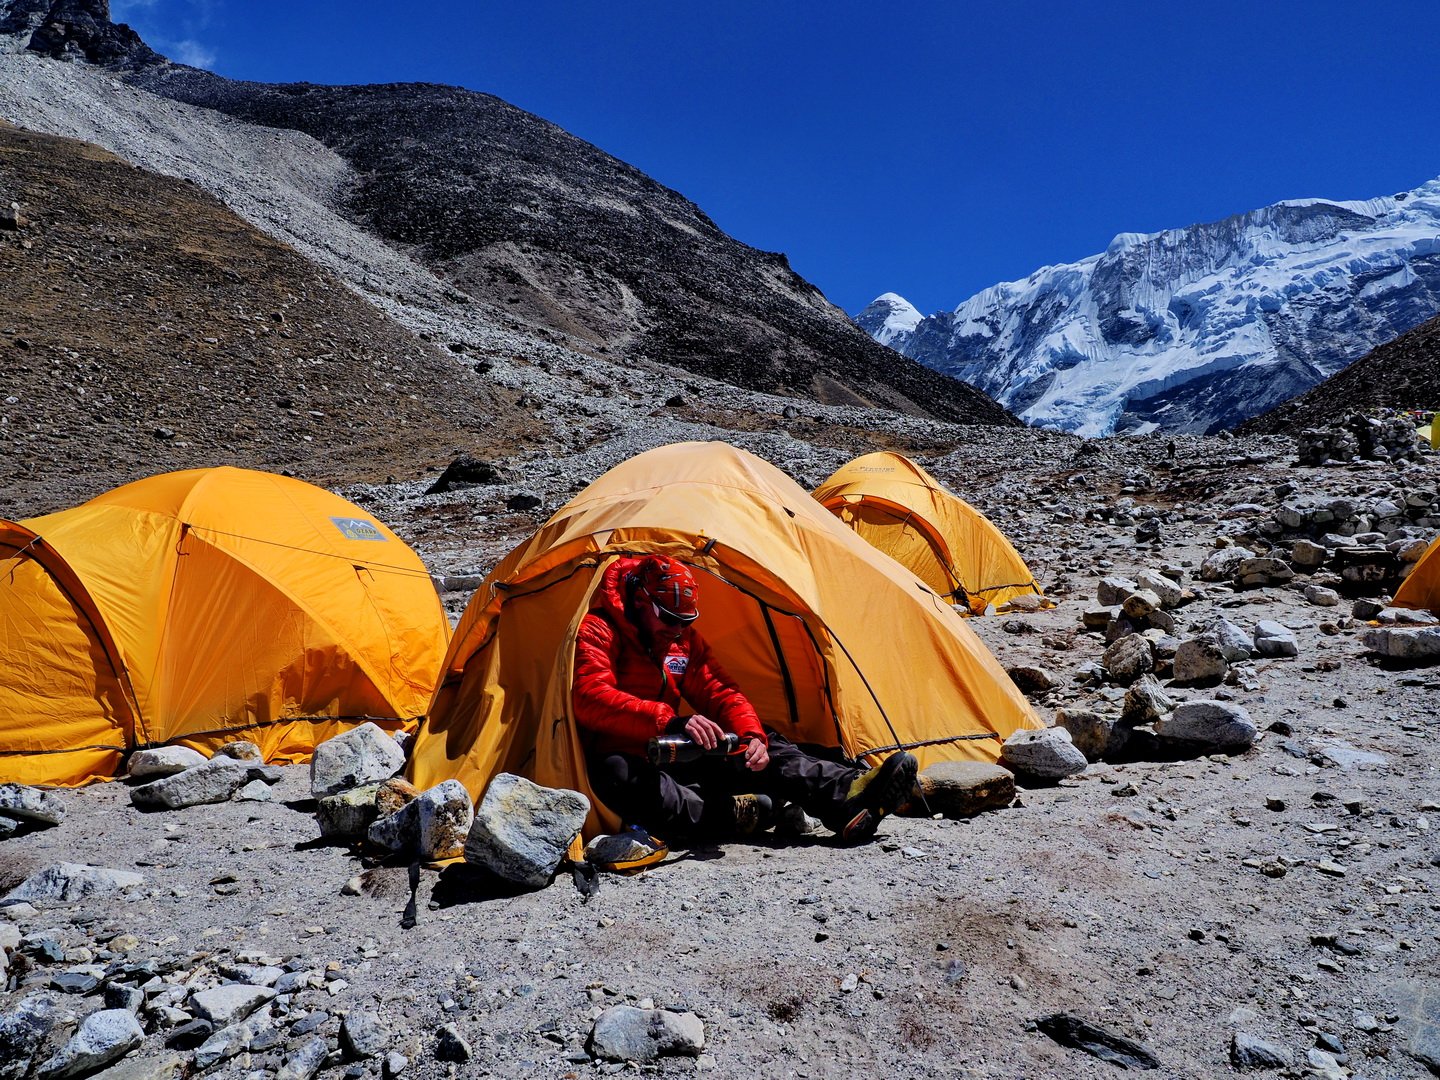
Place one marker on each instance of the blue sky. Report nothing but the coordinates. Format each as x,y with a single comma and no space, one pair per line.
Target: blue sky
931,149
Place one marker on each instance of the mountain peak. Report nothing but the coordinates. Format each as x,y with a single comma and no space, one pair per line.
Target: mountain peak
887,317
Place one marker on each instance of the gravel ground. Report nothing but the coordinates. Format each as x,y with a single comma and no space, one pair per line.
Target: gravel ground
1135,895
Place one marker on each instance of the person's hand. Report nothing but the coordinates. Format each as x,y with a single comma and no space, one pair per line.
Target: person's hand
757,755
704,731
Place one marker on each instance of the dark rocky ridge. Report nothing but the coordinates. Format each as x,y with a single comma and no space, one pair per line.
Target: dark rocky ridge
1401,374
545,232
74,30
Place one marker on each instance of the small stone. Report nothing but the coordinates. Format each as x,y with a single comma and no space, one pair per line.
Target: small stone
190,1034
215,781
229,1004
1321,596
1251,1052
1272,639
395,1064
1032,679
304,1061
450,1045
363,1035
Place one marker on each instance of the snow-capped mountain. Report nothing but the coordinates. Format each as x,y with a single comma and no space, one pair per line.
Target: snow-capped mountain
1190,329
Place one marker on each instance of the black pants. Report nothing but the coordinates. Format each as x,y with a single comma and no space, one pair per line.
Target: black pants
692,799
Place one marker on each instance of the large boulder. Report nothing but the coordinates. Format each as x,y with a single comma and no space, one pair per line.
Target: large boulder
362,755
348,814
1199,662
1220,565
1420,645
1042,754
1129,658
215,781
1094,734
22,1032
31,804
71,881
163,761
961,789
103,1037
1112,591
522,830
434,825
1217,725
1166,590
1145,702
627,1033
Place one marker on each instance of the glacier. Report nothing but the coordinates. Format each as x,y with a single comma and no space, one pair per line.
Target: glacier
1190,329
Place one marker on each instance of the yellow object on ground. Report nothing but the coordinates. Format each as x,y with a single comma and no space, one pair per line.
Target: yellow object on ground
833,642
1429,435
1420,591
902,510
200,607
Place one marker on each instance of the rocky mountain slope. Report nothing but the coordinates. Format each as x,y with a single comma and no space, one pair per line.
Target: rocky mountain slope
1190,329
539,232
145,327
1401,374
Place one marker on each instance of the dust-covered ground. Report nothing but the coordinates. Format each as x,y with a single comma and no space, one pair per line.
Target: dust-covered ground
1287,892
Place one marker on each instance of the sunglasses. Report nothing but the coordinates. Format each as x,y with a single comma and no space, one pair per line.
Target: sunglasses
669,618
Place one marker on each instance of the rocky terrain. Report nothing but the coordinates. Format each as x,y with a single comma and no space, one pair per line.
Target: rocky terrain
1193,902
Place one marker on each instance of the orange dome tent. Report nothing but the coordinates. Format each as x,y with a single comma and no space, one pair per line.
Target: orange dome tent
902,510
833,642
200,607
1421,588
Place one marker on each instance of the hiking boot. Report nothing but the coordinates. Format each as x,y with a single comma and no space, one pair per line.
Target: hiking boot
753,813
876,793
792,820
917,803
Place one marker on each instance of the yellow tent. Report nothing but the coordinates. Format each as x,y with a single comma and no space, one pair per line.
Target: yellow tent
1421,588
903,511
833,642
1429,435
203,606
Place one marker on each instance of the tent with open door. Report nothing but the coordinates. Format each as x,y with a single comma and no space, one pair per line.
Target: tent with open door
200,607
834,643
902,510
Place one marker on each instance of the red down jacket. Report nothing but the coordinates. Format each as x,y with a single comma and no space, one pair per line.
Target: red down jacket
623,695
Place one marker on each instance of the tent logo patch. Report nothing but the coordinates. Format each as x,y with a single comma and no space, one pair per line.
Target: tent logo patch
357,529
676,665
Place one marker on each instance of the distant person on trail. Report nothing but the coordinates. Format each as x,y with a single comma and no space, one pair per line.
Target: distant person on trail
638,657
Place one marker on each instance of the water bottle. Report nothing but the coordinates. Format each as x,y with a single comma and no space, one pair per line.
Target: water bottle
673,749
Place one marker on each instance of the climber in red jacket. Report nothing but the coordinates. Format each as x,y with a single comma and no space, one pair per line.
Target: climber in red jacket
638,662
